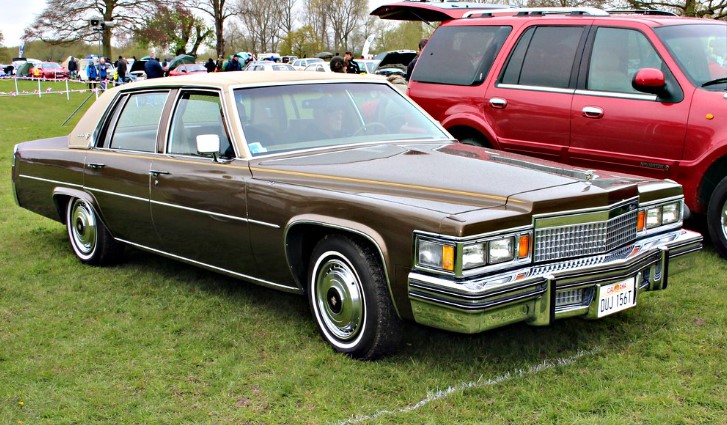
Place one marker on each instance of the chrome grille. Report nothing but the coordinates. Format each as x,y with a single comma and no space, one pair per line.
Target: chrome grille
576,240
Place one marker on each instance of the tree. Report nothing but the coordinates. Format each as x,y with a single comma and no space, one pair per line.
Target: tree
173,28
261,19
219,11
316,17
65,21
302,42
345,16
716,9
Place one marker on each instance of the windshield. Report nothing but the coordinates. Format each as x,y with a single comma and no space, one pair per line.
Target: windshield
699,50
306,116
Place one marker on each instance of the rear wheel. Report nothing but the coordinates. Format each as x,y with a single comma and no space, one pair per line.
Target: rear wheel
89,238
717,217
349,298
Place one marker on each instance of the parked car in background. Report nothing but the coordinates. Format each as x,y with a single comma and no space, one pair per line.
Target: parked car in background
632,91
343,190
50,71
300,64
136,70
268,66
319,67
394,62
288,59
367,66
187,68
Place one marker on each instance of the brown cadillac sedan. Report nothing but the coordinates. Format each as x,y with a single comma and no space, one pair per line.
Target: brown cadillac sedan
340,188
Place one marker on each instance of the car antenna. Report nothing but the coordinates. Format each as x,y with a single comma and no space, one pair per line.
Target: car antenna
79,107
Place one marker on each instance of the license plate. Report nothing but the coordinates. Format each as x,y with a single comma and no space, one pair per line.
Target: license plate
616,297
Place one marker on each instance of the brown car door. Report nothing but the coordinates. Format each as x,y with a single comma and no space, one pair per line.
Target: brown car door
198,203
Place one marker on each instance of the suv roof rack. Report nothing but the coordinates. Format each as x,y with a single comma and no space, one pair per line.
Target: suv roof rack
642,12
537,11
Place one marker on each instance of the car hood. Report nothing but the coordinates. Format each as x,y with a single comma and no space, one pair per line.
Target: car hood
450,178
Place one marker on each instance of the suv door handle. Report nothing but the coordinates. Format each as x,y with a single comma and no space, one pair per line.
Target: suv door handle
498,103
156,173
96,165
592,112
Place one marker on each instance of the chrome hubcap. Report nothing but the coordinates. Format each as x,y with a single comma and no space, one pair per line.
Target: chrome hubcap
338,297
723,218
83,227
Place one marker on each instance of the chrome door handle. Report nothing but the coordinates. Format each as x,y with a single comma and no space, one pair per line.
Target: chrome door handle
498,103
156,173
96,165
592,112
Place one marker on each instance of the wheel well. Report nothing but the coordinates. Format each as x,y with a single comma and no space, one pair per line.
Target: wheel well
61,202
461,132
301,240
711,179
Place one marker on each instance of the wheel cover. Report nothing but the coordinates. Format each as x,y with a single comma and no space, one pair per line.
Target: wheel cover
723,219
339,300
82,228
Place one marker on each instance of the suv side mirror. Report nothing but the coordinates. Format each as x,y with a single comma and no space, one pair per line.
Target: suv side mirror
649,80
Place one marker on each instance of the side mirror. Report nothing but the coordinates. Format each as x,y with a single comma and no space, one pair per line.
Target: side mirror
649,80
208,144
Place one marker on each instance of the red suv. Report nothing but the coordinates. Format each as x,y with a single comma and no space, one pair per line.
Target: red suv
634,92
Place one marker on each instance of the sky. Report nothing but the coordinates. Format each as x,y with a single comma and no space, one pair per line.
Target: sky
21,14
16,16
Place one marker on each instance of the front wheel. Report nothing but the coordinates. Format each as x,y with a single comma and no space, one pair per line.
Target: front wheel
91,241
717,218
349,299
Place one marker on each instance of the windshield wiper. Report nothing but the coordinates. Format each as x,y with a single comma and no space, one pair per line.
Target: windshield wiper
716,81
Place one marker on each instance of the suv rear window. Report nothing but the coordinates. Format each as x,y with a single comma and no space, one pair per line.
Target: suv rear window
460,55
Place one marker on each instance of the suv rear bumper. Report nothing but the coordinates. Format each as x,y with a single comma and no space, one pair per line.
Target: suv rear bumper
541,294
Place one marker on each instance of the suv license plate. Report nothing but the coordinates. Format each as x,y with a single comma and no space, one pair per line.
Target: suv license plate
616,297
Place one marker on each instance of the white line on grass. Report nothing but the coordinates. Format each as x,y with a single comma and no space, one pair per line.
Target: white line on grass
479,383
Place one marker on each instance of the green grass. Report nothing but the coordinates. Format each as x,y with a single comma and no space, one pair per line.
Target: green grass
153,341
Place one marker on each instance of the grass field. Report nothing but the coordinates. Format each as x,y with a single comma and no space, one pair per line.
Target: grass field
153,341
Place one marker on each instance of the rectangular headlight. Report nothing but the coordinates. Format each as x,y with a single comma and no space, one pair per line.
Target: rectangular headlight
653,217
435,255
501,250
670,213
473,256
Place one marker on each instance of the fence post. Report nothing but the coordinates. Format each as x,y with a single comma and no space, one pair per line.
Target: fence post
40,92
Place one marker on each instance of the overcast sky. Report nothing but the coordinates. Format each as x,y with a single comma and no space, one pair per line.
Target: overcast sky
20,14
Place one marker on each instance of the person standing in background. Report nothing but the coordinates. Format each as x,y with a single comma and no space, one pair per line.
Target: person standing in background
351,65
72,68
103,73
153,68
121,70
210,65
410,67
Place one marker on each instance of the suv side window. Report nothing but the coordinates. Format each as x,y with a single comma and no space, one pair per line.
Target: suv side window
544,57
460,55
617,54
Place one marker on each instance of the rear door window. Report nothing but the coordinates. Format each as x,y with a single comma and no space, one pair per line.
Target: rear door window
460,55
544,57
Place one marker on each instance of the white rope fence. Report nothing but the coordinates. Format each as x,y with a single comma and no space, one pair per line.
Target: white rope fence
50,90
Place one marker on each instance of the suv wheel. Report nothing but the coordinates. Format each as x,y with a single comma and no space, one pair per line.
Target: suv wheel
717,218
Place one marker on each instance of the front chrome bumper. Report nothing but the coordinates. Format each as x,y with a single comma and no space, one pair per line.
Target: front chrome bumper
543,293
